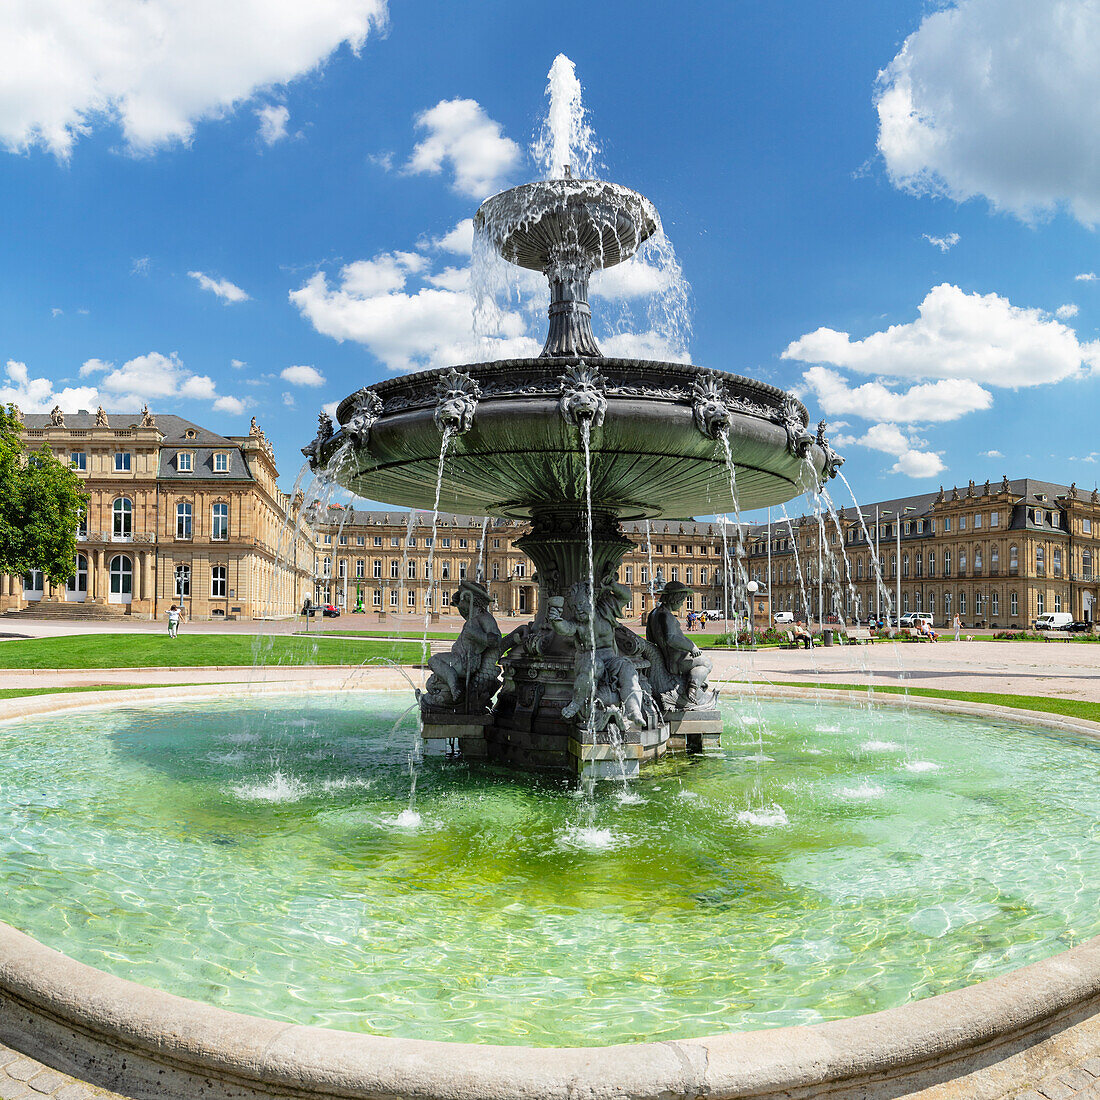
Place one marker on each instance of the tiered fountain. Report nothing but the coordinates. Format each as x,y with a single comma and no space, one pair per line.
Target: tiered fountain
575,442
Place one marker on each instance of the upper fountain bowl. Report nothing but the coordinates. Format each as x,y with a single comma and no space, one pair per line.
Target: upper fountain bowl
536,223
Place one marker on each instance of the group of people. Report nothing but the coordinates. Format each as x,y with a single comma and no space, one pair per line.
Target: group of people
698,619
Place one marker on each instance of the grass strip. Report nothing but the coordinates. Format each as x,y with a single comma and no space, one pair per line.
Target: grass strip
103,651
411,635
1069,708
23,693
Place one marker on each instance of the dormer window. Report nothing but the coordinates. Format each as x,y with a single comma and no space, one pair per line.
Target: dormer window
189,434
184,460
221,462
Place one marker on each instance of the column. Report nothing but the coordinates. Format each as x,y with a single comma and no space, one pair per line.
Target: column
101,584
147,580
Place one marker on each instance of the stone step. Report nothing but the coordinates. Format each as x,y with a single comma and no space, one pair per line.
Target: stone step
70,612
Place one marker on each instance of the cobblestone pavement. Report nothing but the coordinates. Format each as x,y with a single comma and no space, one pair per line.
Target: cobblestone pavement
1080,1083
25,1079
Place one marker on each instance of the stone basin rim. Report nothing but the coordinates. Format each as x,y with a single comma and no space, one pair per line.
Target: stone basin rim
84,1020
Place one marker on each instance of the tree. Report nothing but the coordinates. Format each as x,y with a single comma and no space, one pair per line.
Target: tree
41,505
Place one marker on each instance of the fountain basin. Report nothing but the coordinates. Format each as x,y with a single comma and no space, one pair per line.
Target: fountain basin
649,459
155,1044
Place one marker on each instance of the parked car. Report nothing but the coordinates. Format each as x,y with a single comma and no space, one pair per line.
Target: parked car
326,611
915,618
330,612
784,618
1080,626
1054,620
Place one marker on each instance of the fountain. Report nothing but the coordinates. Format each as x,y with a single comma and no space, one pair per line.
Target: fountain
574,442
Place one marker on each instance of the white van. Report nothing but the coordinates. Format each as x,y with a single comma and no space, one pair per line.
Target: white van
1053,620
784,618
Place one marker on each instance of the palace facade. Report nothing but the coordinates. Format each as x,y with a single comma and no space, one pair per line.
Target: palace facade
176,514
998,555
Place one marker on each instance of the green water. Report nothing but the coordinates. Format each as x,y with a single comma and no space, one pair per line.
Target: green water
262,856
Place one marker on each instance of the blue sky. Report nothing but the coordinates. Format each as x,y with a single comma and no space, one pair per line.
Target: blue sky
193,208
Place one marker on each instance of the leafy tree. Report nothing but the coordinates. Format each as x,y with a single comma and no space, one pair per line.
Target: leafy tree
41,504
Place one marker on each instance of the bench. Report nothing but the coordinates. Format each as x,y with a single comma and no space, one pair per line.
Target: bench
912,634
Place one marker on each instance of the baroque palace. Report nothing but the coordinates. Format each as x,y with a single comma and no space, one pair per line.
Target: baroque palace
179,514
176,514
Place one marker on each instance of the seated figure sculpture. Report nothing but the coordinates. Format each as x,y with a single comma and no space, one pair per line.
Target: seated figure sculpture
465,679
684,684
603,676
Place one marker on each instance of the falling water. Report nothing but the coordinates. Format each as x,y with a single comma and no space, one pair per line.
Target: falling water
410,526
586,441
649,555
481,551
432,587
880,584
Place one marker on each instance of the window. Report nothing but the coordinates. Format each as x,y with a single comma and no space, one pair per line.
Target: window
675,573
395,568
1041,561
445,571
629,570
931,563
79,582
994,559
703,575
219,521
962,563
377,568
521,569
445,599
410,598
1013,604
343,540
221,462
393,597
394,541
122,518
462,569
643,574
977,559
1056,562
183,462
78,460
1086,526
326,567
463,543
360,541
217,582
183,581
994,519
918,561
82,526
1086,563
342,568
947,605
496,570
908,527
445,542
947,523
995,603
905,565
361,569
947,563
962,523
920,526
859,570
977,521
1040,603
377,598
1013,562
412,571
893,565
328,540
122,575
905,602
183,519
688,575
962,603
917,601
496,544
122,462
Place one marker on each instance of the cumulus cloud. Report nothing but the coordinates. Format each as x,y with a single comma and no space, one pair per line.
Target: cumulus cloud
302,376
273,119
460,134
643,345
459,240
1087,277
944,244
891,440
38,395
1064,313
223,288
983,338
157,68
999,98
926,403
154,378
991,454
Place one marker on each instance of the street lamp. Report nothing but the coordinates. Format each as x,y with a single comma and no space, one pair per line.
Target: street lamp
752,588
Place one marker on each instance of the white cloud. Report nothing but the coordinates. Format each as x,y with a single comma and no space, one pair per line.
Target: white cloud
926,403
891,440
38,395
999,98
157,68
140,265
1087,277
1064,313
288,400
56,312
632,279
223,288
991,454
273,119
983,338
154,378
460,133
643,345
944,244
237,364
302,376
459,240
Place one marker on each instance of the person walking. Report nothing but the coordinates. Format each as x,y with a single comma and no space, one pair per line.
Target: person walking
957,623
174,615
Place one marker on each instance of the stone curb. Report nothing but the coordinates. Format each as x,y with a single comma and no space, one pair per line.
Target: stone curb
148,1044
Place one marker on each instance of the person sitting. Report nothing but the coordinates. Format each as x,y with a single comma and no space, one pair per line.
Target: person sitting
802,636
924,628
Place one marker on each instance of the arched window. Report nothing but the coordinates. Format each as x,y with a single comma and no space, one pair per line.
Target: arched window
122,512
219,521
122,579
183,581
995,558
1086,563
1013,562
962,563
905,565
1056,562
1040,560
183,519
977,559
78,582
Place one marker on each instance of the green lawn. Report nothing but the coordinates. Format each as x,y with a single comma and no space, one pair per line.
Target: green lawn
23,693
412,635
1071,708
144,650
